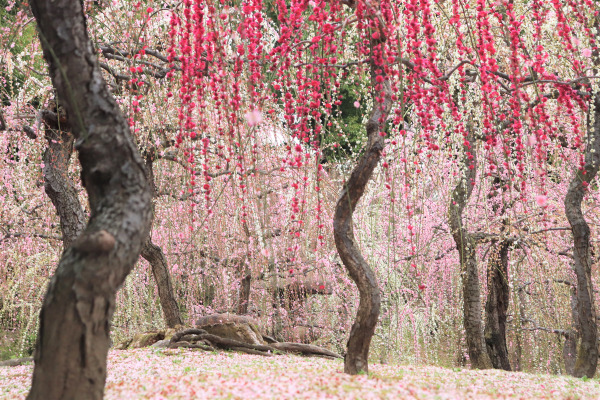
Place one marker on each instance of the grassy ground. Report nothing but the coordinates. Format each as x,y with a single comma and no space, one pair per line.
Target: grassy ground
188,374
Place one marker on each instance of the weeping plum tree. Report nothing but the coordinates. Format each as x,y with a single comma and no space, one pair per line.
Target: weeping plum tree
363,328
408,53
307,94
73,339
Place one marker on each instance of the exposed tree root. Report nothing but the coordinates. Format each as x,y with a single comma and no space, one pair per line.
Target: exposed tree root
15,362
195,338
224,332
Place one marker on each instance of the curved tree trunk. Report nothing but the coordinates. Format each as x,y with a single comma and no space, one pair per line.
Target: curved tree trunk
155,256
587,355
362,331
73,340
57,184
496,307
465,243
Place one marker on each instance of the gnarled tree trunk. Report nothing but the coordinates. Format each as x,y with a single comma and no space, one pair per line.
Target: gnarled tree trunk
73,340
363,328
57,184
465,243
587,354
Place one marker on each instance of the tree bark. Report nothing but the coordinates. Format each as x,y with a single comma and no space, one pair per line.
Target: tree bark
155,256
158,262
245,287
496,307
587,354
363,328
73,340
57,184
465,243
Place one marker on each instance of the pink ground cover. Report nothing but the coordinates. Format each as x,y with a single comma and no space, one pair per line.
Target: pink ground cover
188,374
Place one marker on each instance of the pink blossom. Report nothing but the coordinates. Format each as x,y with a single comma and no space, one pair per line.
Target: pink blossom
254,117
586,52
541,200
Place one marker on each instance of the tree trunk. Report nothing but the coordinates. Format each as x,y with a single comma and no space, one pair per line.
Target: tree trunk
245,286
57,184
570,345
362,331
155,256
73,340
158,262
466,244
496,306
587,354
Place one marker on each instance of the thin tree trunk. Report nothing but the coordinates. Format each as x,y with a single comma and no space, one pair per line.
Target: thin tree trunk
587,354
496,307
73,340
519,332
245,286
158,262
155,256
466,244
362,331
57,184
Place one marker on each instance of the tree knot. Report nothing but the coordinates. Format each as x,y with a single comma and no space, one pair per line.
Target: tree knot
96,242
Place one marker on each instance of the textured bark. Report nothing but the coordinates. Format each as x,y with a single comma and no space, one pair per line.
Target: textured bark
465,244
570,345
57,184
158,262
496,307
73,340
363,328
587,354
155,256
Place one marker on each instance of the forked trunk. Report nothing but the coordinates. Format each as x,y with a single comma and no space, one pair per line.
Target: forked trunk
73,340
65,199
